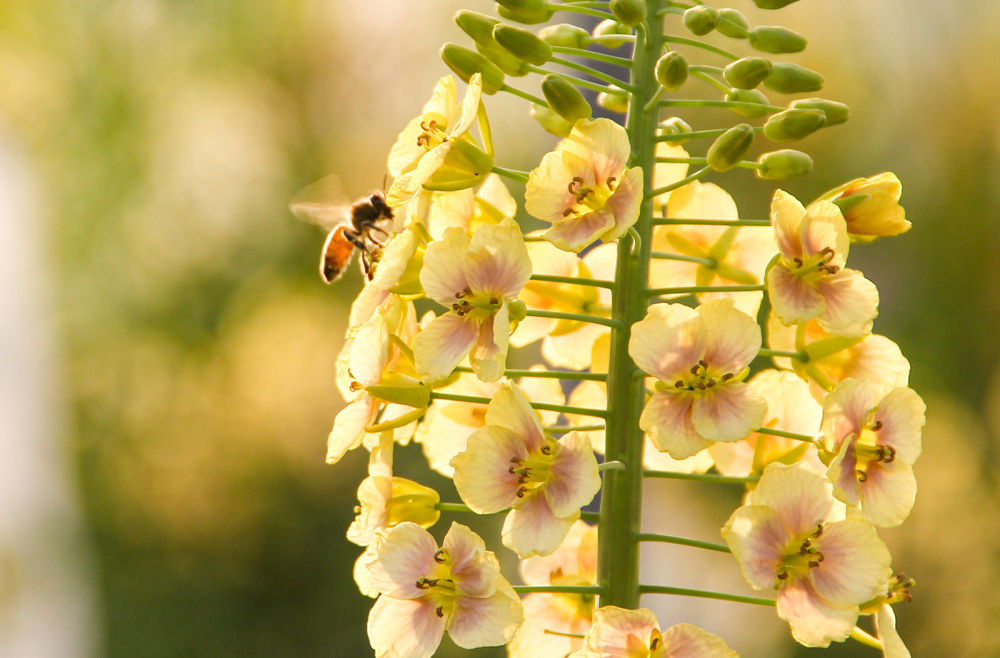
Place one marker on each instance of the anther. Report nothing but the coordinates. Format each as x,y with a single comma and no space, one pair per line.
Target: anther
439,611
679,384
797,261
819,530
782,575
655,642
521,491
877,426
612,182
546,450
703,363
694,369
726,377
355,386
861,475
494,300
440,556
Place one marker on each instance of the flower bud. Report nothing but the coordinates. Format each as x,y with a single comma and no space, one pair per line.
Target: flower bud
773,4
401,389
749,96
517,310
730,147
775,39
748,72
674,126
786,163
480,28
565,35
413,502
528,12
608,33
629,12
788,78
701,19
613,101
550,121
732,23
671,70
465,63
523,44
790,125
465,166
836,113
563,97
871,207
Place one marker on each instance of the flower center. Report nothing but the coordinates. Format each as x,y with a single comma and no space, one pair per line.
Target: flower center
469,301
703,378
815,267
589,199
802,556
868,451
533,471
440,587
433,134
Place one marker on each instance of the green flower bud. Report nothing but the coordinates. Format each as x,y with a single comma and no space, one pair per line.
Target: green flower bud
563,97
629,12
773,4
788,78
732,23
613,101
786,163
836,113
565,35
517,310
774,39
401,389
413,502
671,70
730,147
550,121
749,96
701,19
791,125
748,72
523,44
608,33
465,63
674,126
480,28
465,166
533,13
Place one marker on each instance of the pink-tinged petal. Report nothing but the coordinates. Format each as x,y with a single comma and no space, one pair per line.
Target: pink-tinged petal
802,497
668,341
546,194
542,389
689,641
616,632
349,427
733,336
481,474
786,218
486,622
855,567
369,299
624,204
603,143
370,350
851,303
488,357
532,529
728,412
575,558
497,261
574,479
901,413
511,410
405,555
443,344
576,232
824,227
667,419
793,300
815,621
876,359
474,569
842,473
845,409
888,493
544,612
402,628
885,627
443,272
757,537
573,350
747,302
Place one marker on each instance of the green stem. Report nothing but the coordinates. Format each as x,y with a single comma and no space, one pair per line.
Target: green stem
547,374
861,636
673,186
698,44
551,278
682,541
583,10
513,174
711,79
798,356
691,290
696,134
578,317
788,435
692,102
682,591
610,466
564,429
600,75
590,517
525,95
621,496
600,57
664,255
580,82
558,589
671,221
453,507
744,164
542,406
701,477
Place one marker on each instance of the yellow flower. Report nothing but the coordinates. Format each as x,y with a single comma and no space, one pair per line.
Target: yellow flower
871,207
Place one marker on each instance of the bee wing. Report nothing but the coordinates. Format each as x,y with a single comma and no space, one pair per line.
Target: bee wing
323,202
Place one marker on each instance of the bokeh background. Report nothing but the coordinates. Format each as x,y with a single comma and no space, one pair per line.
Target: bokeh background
167,349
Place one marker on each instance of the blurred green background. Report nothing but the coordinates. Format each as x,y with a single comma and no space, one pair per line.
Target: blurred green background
193,344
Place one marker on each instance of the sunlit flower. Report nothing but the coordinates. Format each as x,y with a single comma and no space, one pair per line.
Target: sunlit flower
384,502
832,359
491,203
512,463
566,343
584,187
788,537
871,207
729,255
875,442
623,633
426,590
477,278
790,408
430,139
573,563
700,357
809,280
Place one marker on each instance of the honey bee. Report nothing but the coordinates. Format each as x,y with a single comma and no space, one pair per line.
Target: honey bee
359,226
